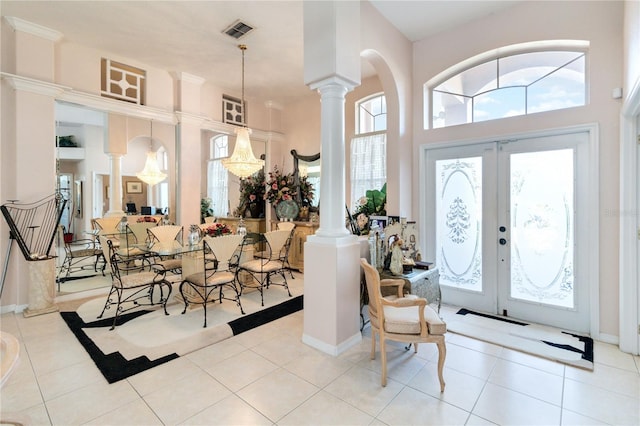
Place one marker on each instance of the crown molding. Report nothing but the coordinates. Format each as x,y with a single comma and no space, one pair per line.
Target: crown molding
189,118
32,85
189,78
34,29
114,106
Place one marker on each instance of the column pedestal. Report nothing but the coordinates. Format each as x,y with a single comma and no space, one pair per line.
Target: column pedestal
331,293
41,287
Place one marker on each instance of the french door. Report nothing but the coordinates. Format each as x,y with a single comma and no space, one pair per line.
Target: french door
509,227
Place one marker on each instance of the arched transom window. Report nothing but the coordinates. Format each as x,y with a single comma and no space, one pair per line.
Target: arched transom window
507,85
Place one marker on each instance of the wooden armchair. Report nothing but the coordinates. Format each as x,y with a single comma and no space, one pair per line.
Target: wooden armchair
401,319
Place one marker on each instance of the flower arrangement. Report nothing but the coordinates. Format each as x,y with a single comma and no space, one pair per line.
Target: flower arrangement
306,191
252,190
217,230
372,204
280,187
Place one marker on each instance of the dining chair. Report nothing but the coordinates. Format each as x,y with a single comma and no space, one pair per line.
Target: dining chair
75,252
220,259
130,291
407,319
166,235
139,229
262,270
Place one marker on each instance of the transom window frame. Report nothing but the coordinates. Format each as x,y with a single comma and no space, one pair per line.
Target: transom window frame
502,52
360,108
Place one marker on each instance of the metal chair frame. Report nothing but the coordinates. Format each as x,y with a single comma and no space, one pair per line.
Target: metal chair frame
140,287
220,257
262,270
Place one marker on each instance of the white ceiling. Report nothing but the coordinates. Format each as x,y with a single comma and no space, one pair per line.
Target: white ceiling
187,36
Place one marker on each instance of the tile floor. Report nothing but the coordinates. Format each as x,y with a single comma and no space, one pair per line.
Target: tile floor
267,376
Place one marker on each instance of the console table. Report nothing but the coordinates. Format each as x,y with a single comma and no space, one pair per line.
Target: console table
421,282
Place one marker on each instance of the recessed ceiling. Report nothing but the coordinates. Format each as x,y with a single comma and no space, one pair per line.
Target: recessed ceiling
188,36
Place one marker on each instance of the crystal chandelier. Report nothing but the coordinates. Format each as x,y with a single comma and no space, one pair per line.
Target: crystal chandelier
151,174
242,162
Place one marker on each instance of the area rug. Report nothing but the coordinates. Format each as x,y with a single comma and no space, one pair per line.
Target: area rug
146,338
534,339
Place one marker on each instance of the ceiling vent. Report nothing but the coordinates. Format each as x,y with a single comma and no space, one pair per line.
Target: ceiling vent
238,29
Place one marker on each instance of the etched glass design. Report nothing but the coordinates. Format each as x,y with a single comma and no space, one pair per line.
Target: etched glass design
459,222
542,227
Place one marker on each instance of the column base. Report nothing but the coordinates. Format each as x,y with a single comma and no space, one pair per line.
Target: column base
331,294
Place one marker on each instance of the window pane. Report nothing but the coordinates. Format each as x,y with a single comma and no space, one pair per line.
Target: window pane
524,69
564,88
372,115
450,110
499,103
472,81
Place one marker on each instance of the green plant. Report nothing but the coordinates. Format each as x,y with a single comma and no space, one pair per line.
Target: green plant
374,203
205,209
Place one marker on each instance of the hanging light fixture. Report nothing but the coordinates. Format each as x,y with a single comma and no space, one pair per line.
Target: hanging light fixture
151,173
242,162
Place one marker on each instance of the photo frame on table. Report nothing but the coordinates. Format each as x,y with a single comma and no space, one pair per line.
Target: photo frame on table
134,187
382,221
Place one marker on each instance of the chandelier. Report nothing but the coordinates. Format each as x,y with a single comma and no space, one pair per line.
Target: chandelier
151,174
242,162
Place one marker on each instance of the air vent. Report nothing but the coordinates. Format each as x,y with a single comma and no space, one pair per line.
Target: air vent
238,29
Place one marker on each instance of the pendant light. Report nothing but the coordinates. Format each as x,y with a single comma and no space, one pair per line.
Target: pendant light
242,162
151,174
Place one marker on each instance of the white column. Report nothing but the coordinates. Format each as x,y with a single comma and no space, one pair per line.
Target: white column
331,265
332,178
331,256
115,185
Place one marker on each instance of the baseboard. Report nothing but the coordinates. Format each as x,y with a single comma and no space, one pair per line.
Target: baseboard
331,349
608,338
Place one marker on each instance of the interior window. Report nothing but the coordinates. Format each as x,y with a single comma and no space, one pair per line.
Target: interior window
372,114
217,175
369,147
507,86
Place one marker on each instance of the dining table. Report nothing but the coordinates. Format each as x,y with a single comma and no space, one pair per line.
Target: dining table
193,257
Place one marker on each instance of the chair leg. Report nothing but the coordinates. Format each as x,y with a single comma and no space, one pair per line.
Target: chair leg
373,344
115,317
383,360
442,354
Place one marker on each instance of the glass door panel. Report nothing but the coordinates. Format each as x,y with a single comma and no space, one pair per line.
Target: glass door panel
459,222
542,227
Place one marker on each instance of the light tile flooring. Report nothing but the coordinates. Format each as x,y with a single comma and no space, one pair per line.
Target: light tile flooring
268,376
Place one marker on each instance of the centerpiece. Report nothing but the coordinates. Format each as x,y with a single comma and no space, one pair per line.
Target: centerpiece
217,230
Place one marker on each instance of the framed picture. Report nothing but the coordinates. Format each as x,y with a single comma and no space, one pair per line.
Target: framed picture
134,187
382,221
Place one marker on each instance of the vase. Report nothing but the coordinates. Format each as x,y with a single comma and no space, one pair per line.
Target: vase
255,210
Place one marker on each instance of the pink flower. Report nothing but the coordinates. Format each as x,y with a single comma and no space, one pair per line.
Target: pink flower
252,197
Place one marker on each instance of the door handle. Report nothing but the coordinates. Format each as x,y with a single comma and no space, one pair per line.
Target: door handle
502,241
